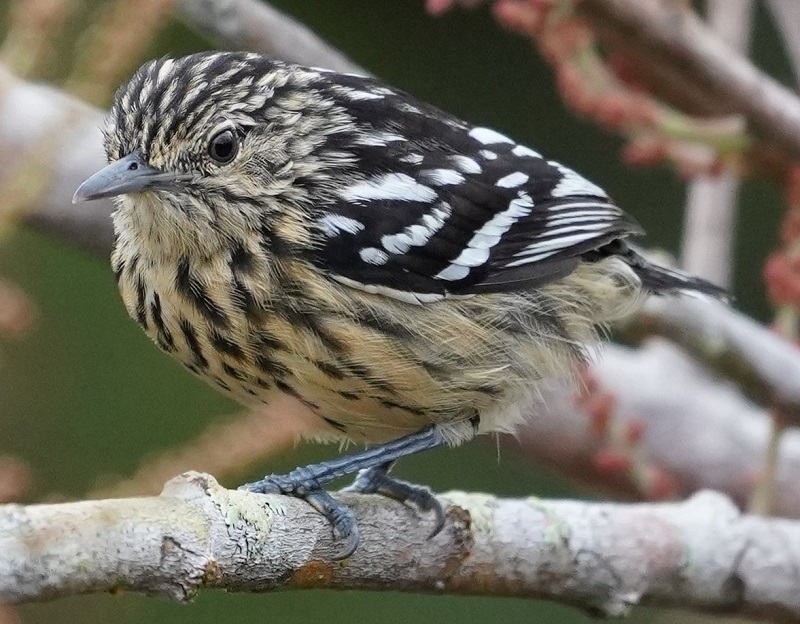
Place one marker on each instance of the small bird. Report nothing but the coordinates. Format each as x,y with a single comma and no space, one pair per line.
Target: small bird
395,275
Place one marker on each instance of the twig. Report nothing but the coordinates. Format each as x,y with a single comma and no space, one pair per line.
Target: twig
673,32
763,364
711,202
786,16
696,431
34,113
257,26
709,220
605,558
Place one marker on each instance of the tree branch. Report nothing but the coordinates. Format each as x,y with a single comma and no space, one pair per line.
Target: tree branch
256,26
762,363
711,203
671,34
604,558
695,432
56,138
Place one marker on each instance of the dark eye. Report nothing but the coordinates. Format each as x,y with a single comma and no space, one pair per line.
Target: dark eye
223,146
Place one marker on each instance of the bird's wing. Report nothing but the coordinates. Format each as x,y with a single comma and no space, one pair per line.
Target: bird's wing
442,208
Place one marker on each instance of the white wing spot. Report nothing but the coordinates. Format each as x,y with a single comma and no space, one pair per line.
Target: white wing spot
334,224
521,150
412,159
472,257
373,255
442,177
417,235
453,272
487,136
540,250
569,206
583,218
512,180
573,183
488,154
391,186
396,243
465,164
358,96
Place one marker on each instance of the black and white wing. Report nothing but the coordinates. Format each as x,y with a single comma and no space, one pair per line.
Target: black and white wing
437,207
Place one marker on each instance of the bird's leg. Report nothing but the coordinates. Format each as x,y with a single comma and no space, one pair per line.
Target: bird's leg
306,483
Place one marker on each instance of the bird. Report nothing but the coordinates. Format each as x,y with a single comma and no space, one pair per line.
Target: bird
399,277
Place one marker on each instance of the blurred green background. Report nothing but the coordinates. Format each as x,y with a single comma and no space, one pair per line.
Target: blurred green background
87,398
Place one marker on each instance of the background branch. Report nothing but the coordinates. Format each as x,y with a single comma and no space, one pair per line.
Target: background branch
671,34
711,203
256,26
666,429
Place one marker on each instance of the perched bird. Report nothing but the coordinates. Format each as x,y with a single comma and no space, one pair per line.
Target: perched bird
398,276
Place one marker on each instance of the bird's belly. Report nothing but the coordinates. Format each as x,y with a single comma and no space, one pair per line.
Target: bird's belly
368,381
262,361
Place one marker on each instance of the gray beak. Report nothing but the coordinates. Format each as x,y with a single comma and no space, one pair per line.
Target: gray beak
129,174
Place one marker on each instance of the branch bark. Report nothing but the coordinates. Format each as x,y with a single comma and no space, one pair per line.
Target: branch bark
670,34
604,558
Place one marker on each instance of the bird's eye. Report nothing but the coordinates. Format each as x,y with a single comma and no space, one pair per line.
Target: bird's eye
223,146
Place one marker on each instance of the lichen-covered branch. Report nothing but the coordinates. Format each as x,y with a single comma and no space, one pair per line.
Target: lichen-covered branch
605,558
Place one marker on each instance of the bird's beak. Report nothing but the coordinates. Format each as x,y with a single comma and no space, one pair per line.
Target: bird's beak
129,174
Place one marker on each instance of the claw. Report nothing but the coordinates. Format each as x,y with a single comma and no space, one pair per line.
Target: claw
342,520
377,481
441,518
264,486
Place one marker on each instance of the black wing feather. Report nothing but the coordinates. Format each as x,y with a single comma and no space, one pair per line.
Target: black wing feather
453,209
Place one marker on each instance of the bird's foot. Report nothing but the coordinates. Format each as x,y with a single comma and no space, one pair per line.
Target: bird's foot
342,520
377,480
372,464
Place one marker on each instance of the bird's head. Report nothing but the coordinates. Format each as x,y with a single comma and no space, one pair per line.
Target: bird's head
208,144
